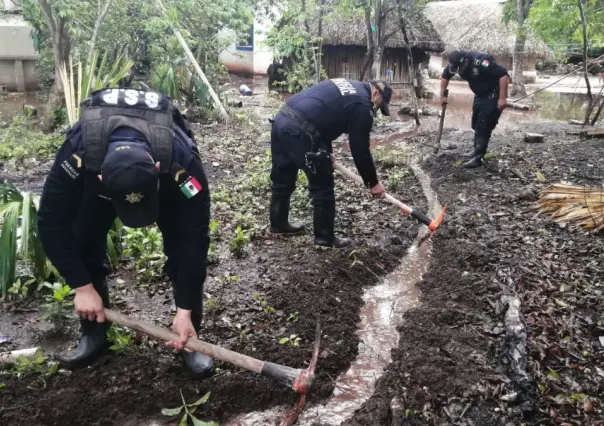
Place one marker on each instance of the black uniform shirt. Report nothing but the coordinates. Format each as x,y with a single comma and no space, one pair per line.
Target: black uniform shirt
183,221
482,74
340,106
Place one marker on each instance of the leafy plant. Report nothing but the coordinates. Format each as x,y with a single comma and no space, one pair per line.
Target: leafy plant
21,288
114,240
145,245
292,340
189,409
240,240
58,303
37,366
91,77
19,236
396,179
19,140
215,229
121,338
259,299
292,317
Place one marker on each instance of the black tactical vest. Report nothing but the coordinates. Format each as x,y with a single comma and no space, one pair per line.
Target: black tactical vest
150,113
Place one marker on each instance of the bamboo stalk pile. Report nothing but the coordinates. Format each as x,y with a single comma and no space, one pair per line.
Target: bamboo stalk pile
571,204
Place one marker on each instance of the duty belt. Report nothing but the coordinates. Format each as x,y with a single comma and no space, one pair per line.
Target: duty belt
318,152
301,122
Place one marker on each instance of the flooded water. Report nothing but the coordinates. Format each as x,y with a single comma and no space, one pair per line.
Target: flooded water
11,104
377,331
545,106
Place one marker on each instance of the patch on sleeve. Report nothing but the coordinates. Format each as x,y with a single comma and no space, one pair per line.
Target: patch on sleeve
71,166
485,63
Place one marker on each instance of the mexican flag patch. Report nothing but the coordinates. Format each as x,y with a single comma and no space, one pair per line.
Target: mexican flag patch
191,187
485,63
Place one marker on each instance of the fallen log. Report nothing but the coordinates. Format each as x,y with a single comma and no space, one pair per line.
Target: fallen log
11,356
533,138
519,106
592,134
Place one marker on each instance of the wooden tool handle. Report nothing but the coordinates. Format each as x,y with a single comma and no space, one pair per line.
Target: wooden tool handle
240,360
358,179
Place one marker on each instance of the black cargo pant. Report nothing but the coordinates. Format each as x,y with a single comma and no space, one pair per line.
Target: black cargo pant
485,114
289,145
97,214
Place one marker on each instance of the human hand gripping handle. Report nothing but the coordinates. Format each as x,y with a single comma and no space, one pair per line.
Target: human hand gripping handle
88,304
378,191
182,326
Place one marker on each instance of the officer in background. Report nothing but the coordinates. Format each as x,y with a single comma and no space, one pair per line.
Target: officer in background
489,82
301,138
132,155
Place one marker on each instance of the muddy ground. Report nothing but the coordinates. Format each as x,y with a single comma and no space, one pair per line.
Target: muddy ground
277,287
455,362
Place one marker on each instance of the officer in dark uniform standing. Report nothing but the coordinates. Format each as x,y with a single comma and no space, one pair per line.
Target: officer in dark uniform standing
131,155
301,138
489,82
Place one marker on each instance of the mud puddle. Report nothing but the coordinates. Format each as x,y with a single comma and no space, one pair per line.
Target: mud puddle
383,307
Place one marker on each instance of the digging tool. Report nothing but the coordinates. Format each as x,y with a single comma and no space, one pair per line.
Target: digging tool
442,121
296,379
420,217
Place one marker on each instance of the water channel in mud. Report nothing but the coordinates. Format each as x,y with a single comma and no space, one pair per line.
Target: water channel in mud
380,317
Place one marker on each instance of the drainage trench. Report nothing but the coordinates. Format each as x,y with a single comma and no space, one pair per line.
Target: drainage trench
380,316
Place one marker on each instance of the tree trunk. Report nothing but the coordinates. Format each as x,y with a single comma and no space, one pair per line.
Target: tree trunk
518,88
320,46
376,67
370,42
522,7
585,74
97,26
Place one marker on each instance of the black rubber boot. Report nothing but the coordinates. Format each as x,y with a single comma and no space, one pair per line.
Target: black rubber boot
279,216
93,338
199,365
323,220
481,149
472,153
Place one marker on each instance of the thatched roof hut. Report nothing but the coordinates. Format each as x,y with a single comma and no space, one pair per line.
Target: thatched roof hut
477,25
353,32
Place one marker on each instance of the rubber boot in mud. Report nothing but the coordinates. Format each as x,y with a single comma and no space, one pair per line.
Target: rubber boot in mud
279,216
323,220
481,148
472,153
200,365
93,339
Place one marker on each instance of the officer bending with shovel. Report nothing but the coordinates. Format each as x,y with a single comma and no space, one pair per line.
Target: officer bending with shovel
131,155
489,82
301,138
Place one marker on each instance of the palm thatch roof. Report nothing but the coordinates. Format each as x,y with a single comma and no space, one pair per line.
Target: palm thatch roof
352,31
477,25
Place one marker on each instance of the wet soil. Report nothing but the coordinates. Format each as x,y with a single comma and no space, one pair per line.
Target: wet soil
455,361
276,288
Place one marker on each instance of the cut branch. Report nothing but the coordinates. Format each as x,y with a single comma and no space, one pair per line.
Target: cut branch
191,58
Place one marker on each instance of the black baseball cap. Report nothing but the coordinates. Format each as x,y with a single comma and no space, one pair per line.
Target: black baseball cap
386,92
130,175
456,59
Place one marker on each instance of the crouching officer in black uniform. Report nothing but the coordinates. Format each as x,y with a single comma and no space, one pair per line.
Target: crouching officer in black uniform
489,82
132,155
301,137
